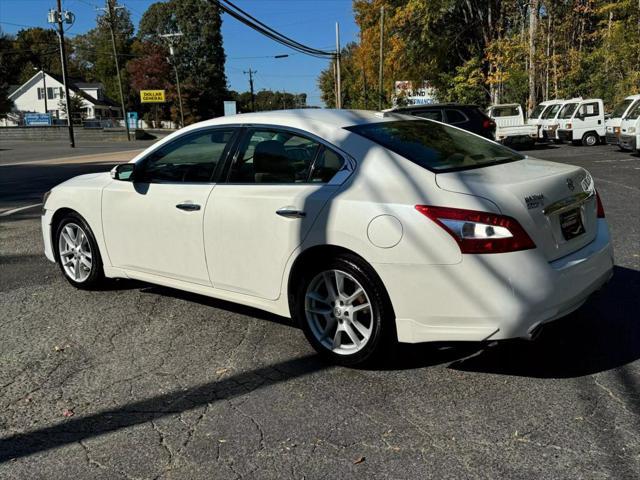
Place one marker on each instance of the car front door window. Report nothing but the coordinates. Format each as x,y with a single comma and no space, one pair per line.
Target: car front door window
192,158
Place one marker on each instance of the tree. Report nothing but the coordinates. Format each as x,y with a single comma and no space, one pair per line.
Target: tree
93,52
7,73
199,54
76,105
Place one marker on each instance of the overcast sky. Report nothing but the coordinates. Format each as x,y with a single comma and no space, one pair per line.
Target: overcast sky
311,22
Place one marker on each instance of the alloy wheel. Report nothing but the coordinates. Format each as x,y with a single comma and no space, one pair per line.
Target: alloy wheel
339,312
75,252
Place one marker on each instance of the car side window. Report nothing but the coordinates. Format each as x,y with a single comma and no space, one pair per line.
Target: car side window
455,116
274,156
190,158
430,114
326,165
590,109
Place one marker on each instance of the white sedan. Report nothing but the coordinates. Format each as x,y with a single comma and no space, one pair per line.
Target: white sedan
366,228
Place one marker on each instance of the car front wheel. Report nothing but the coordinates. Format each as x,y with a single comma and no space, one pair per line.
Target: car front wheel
77,252
344,312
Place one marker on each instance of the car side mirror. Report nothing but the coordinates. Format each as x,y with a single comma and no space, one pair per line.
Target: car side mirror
124,172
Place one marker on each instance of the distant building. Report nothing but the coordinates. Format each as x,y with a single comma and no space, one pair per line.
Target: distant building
30,97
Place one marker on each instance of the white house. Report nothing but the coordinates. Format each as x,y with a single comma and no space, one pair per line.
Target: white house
30,97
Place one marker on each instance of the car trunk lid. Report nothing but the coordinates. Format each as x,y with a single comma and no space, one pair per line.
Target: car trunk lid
554,203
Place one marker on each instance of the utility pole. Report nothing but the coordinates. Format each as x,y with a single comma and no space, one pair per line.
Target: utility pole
253,97
338,79
111,18
56,16
381,66
171,36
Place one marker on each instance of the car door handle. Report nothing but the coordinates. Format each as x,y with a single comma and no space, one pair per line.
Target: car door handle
189,207
290,213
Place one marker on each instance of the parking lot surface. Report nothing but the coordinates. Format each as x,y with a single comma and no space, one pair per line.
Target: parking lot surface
139,381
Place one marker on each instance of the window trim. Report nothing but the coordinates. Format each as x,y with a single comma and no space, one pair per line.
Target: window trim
215,176
348,166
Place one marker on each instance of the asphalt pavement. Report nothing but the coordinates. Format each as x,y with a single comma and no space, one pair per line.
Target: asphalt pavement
140,381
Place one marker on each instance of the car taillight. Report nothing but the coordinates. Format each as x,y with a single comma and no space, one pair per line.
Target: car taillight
479,232
599,208
487,124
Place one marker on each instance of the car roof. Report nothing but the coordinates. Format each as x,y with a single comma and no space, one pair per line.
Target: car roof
325,123
505,105
433,105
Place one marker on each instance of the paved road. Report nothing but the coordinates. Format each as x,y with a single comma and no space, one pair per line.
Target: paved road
163,384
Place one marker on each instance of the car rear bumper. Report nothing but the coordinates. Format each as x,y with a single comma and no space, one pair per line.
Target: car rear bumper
628,142
494,296
565,135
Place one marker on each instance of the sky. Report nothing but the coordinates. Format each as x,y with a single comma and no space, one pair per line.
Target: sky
311,22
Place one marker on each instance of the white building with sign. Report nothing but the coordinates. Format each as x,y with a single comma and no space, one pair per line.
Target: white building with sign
30,98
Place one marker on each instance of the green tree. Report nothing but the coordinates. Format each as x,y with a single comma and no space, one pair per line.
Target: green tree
199,53
93,52
8,73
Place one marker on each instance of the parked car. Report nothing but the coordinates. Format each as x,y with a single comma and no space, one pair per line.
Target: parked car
467,117
511,128
538,114
613,123
364,227
582,122
630,129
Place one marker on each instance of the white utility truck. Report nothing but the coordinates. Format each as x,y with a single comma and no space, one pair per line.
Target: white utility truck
549,124
613,123
630,129
538,114
510,126
582,122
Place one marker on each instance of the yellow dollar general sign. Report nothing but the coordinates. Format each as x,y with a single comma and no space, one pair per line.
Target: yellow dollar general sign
152,96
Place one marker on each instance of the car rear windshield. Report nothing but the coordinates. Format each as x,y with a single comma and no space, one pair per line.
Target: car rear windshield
435,146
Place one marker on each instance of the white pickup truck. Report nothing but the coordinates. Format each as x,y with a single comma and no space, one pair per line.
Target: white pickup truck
613,123
582,122
630,129
510,126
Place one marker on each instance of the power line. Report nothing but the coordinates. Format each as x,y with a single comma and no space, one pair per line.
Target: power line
252,22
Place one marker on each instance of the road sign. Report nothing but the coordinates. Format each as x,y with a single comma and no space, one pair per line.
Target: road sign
152,96
37,119
132,118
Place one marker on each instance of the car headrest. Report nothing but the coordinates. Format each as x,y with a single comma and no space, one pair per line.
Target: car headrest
269,156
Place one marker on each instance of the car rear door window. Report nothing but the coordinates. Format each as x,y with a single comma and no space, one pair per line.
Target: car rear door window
455,116
190,158
279,156
435,114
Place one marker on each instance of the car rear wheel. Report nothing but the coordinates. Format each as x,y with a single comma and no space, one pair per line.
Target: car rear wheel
77,252
344,312
590,139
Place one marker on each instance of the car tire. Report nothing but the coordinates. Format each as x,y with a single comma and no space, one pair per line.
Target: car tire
322,314
590,139
76,252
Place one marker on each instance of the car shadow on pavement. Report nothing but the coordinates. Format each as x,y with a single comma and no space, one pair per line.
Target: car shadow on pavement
147,410
604,334
216,303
